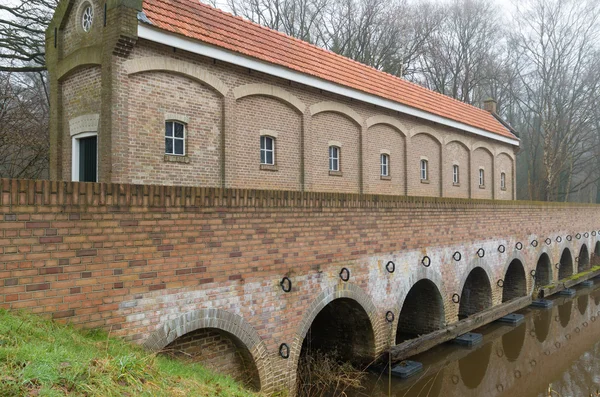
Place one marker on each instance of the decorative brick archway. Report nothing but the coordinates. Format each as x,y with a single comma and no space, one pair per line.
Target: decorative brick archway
221,320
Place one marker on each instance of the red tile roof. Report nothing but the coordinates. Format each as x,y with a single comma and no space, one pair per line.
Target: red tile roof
198,21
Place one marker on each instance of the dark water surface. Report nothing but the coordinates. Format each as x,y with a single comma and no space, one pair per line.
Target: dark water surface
558,347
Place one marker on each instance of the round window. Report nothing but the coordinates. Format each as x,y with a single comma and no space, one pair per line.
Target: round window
87,17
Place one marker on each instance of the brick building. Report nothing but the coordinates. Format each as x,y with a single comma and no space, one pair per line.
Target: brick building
174,92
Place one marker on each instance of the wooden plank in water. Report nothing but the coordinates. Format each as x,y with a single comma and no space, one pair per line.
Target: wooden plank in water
426,342
569,282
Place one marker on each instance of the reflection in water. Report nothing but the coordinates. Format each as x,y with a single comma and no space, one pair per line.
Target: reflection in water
596,296
474,366
564,313
582,303
512,342
541,322
526,359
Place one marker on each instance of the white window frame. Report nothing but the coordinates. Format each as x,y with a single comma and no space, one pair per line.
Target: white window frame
75,154
334,157
455,174
503,180
175,138
481,177
265,150
424,169
385,164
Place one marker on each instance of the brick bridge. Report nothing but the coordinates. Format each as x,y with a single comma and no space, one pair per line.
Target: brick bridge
200,269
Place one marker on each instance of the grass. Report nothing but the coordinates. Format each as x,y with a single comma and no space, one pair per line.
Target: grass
39,357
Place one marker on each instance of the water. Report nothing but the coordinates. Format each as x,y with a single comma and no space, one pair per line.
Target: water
558,347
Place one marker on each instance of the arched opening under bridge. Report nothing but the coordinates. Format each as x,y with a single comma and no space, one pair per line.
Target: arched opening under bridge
515,284
566,265
543,270
583,260
219,351
341,329
476,294
422,311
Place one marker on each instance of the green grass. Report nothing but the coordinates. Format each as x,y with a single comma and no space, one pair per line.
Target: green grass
39,357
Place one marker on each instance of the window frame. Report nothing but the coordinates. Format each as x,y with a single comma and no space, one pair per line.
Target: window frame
502,181
424,170
337,158
266,151
174,138
75,154
481,178
385,164
455,174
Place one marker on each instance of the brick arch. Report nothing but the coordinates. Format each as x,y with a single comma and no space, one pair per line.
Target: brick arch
567,263
476,289
387,120
269,91
81,58
518,255
330,294
189,70
583,258
329,106
515,280
426,311
454,140
221,320
418,130
544,268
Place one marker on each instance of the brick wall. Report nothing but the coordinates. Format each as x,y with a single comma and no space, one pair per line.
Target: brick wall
154,262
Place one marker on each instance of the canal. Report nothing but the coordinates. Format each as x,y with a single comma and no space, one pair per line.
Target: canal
557,348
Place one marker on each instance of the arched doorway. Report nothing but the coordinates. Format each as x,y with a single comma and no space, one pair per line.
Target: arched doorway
543,270
566,265
515,284
422,311
219,351
583,260
476,294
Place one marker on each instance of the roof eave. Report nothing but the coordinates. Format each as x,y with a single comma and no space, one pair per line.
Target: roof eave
198,47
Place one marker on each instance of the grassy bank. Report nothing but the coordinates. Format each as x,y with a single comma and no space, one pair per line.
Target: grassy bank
42,358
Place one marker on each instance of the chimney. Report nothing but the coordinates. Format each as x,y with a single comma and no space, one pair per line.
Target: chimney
490,105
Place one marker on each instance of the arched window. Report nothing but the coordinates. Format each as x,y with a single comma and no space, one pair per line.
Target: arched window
334,158
424,170
455,175
481,177
175,138
385,164
267,150
503,181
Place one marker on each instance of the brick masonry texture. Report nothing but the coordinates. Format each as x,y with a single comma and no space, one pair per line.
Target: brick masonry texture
153,263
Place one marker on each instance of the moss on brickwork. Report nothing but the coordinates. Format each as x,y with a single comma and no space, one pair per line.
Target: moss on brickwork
41,357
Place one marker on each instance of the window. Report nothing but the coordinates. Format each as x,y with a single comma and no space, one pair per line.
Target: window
85,157
481,178
267,150
455,175
424,171
87,17
385,165
503,181
334,158
175,138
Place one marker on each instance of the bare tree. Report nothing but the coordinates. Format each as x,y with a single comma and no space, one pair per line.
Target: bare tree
23,127
22,34
555,41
